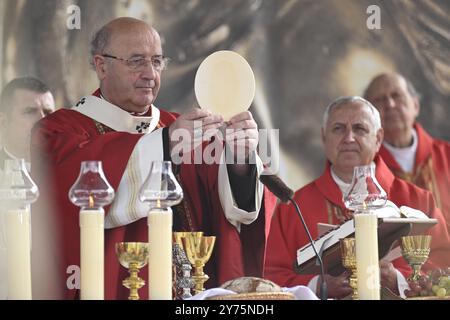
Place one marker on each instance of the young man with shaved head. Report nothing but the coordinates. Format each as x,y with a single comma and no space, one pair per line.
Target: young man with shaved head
23,102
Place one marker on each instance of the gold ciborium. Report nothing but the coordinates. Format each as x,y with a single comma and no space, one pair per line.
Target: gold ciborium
198,250
348,256
415,250
177,236
133,256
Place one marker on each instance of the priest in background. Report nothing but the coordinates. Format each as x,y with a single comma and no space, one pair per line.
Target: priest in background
119,125
352,135
407,149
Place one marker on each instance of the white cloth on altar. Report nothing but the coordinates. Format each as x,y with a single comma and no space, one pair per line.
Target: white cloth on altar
300,293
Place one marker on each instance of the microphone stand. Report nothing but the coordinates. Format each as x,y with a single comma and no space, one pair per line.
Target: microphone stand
282,192
323,291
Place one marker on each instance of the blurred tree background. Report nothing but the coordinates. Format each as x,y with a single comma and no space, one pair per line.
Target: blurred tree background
304,54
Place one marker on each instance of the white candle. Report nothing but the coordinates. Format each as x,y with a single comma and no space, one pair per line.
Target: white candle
92,253
367,265
160,254
18,248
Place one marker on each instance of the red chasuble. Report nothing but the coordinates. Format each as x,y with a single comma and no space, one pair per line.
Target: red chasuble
65,138
321,201
431,168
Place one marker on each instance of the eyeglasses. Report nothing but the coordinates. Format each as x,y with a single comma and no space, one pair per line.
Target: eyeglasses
158,63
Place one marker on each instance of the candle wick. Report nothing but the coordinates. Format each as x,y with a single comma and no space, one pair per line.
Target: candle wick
91,201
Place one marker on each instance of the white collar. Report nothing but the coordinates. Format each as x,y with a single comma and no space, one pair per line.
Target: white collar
343,186
405,157
115,117
135,114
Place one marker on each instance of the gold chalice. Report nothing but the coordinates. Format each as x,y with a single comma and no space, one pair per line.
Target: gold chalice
415,250
177,236
348,255
198,250
133,256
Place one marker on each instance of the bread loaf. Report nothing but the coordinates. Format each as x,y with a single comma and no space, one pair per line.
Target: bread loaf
251,284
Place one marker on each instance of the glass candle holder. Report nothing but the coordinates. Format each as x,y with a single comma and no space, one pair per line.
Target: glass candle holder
17,192
91,192
364,195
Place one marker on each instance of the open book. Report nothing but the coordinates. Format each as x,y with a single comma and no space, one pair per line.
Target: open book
393,223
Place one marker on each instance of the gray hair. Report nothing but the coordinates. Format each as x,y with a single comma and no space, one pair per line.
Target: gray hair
99,42
376,119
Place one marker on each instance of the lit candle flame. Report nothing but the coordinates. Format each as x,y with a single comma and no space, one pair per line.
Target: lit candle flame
91,201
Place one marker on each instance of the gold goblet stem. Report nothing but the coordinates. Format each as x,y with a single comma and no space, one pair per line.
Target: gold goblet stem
354,284
350,264
133,282
416,272
348,255
199,278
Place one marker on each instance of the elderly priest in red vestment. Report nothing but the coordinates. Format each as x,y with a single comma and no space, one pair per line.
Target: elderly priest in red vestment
119,125
407,149
352,136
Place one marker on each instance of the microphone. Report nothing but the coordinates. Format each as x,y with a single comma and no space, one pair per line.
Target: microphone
277,187
285,194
